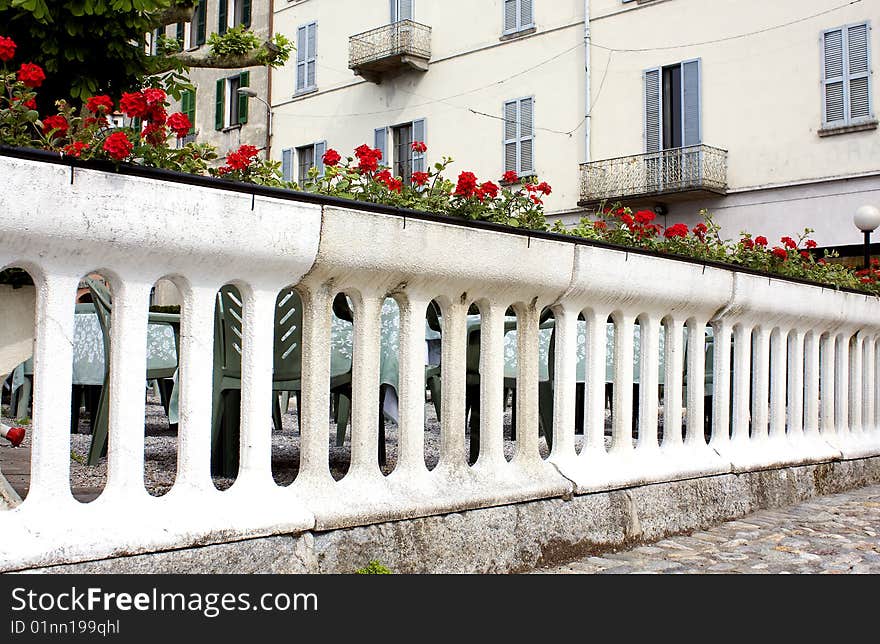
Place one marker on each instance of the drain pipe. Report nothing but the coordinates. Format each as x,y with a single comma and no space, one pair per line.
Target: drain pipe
587,116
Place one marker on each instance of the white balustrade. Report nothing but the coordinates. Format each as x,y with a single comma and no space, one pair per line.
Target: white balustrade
794,375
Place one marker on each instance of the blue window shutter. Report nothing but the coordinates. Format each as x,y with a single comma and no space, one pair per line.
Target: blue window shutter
393,11
301,45
418,158
526,137
405,9
511,136
526,15
320,149
312,55
859,71
653,110
834,74
380,137
691,126
510,15
287,164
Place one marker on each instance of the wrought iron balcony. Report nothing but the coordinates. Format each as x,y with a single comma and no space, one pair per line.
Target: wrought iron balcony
692,172
390,49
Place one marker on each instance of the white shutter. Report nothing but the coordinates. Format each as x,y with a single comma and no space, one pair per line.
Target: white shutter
287,164
510,11
405,10
418,158
691,127
653,110
858,60
320,149
833,68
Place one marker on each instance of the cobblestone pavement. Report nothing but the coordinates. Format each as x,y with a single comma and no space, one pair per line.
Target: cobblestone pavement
836,534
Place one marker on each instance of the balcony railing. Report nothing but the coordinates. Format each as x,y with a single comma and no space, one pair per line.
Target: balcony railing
680,173
777,345
390,49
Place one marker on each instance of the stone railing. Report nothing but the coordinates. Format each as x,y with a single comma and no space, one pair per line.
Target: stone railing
399,39
796,363
695,170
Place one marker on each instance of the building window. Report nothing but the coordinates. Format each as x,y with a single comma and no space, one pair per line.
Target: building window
152,44
518,15
232,13
519,136
401,10
672,106
846,75
198,27
307,157
231,107
402,159
306,57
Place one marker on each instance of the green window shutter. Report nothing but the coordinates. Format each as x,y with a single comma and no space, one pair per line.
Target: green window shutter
179,35
201,23
220,104
222,19
188,107
246,13
243,81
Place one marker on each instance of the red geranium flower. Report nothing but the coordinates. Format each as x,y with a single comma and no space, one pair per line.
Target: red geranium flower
788,242
99,104
368,158
676,230
811,244
118,146
331,157
156,114
544,187
747,243
700,230
536,200
600,225
90,120
57,123
154,134
509,177
154,96
779,253
7,48
821,261
627,219
179,124
133,104
419,146
489,189
760,240
75,149
31,75
420,178
645,216
31,104
241,158
805,254
467,185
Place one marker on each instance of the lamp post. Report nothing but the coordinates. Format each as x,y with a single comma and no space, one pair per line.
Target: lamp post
866,219
247,91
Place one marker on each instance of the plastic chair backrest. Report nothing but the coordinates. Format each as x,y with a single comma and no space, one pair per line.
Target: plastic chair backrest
228,314
287,351
102,301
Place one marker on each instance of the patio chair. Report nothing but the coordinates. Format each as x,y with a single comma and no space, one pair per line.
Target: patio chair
286,373
100,410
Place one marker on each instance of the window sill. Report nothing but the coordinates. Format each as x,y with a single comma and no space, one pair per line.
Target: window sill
512,35
305,92
834,130
229,128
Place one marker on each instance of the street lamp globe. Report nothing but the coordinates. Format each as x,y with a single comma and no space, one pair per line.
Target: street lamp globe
867,218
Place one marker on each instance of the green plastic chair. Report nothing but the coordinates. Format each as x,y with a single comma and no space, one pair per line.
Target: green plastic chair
103,306
286,372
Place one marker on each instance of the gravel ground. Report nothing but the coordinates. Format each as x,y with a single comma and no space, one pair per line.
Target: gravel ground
160,448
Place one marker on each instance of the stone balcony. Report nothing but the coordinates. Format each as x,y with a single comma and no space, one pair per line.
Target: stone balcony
389,50
678,174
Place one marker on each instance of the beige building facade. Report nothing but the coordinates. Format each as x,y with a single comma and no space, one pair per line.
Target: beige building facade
762,113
